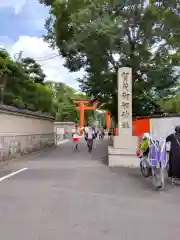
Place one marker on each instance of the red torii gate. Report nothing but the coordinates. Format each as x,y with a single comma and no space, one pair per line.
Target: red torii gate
108,120
82,108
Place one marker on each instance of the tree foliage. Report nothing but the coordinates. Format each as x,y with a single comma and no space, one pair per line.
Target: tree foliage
18,88
22,85
65,109
171,105
103,35
33,70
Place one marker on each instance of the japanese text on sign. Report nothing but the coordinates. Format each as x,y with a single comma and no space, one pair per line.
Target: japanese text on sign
125,125
125,95
125,104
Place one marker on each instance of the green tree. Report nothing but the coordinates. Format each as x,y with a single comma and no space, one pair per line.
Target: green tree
33,69
102,36
18,88
38,97
171,104
12,79
65,110
101,118
22,90
4,71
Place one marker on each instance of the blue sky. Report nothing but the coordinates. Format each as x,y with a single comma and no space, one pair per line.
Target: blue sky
22,28
29,20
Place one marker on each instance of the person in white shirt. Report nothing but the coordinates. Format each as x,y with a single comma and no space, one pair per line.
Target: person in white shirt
86,129
89,137
75,137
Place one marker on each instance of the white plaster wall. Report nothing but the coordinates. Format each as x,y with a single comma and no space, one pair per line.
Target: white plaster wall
15,124
160,128
20,134
68,127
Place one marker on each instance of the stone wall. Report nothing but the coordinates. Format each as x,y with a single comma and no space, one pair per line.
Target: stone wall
22,131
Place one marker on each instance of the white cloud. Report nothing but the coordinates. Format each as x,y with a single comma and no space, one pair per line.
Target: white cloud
15,4
38,49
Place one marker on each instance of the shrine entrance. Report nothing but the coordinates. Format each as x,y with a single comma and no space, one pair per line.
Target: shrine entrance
84,105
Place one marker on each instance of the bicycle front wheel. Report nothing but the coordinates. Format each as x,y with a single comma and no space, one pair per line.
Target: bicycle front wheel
145,169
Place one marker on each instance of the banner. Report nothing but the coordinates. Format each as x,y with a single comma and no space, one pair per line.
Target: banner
163,157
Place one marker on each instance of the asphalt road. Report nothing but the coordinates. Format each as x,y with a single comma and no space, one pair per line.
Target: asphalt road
73,196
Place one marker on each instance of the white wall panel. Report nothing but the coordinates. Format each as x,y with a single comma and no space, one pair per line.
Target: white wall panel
161,127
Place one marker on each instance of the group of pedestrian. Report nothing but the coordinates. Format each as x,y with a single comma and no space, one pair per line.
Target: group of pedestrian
174,153
111,132
89,133
101,133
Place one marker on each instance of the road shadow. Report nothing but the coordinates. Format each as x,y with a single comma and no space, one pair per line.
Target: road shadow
105,160
132,177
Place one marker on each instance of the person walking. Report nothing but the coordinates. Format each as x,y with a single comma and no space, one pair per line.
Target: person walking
75,137
174,155
110,134
89,137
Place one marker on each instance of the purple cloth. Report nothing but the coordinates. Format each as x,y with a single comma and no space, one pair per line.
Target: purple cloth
154,153
163,155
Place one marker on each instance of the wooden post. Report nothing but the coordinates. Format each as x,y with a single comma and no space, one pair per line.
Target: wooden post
108,120
81,122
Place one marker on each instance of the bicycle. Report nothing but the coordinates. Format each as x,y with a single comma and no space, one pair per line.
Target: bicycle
144,166
153,164
148,170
